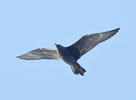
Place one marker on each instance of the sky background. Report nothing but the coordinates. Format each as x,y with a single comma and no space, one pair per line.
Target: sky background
29,24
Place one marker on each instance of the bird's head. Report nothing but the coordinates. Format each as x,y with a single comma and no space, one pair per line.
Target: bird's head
59,49
58,45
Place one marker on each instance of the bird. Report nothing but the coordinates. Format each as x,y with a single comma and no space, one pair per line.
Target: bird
72,53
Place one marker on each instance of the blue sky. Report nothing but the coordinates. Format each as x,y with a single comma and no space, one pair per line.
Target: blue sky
29,24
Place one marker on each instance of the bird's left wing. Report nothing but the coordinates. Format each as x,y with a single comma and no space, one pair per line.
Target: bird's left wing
41,53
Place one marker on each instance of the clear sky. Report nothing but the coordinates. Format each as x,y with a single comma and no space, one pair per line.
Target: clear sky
29,24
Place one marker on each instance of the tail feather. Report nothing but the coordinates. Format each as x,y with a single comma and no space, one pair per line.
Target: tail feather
77,69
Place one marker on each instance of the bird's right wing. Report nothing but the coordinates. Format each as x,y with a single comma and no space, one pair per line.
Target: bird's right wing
87,42
41,53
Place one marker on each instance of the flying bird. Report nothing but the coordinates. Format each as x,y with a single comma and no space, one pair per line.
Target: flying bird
72,53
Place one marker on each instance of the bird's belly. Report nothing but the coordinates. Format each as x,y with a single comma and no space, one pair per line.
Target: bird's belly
69,59
66,56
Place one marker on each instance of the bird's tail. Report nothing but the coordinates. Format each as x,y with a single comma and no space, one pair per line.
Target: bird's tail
77,69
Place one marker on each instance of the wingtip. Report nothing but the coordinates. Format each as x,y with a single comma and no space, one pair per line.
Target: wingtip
23,57
17,56
117,29
20,57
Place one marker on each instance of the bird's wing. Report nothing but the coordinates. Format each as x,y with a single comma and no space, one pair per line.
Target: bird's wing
87,42
41,53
